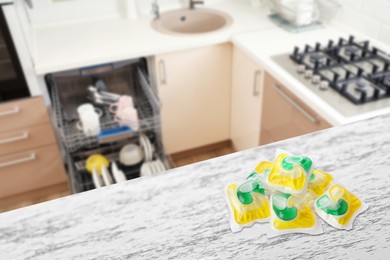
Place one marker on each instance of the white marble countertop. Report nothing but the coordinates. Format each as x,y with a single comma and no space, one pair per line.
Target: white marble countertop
181,214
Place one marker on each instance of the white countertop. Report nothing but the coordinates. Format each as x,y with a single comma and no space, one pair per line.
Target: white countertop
67,46
263,45
6,1
60,47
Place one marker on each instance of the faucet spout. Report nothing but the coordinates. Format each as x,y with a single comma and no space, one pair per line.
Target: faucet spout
155,10
193,3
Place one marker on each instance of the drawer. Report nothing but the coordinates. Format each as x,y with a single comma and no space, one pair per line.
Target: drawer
22,113
29,170
26,138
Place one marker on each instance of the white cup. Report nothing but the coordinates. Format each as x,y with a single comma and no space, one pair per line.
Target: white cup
89,119
84,108
89,123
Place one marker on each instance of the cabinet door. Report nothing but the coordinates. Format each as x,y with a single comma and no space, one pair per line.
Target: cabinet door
194,88
246,101
285,115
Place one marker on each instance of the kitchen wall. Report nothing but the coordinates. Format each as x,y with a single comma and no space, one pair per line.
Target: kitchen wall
369,16
144,6
52,11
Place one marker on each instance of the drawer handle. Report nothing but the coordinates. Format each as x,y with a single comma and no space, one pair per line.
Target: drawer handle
31,157
313,119
15,110
256,91
15,139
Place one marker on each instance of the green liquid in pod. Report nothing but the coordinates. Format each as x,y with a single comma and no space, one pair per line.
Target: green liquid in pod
327,205
245,190
284,213
289,162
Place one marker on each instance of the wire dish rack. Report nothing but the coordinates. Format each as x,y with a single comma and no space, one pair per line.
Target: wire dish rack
68,91
81,179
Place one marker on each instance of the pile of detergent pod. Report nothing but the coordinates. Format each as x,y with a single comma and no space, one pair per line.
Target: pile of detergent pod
286,193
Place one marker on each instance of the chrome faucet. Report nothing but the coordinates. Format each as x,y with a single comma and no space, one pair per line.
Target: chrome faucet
193,3
155,10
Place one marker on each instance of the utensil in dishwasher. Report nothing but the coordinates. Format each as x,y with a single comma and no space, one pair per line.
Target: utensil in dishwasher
147,147
96,161
106,176
101,97
122,103
131,154
89,120
119,176
97,181
145,170
128,117
125,112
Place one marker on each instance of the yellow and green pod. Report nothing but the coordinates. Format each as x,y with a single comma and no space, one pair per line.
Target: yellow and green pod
319,182
290,174
339,207
247,201
292,213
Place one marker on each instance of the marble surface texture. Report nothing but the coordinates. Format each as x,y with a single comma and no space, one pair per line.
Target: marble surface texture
181,214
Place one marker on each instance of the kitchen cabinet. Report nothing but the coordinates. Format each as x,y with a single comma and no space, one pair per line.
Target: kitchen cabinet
247,79
29,155
284,115
194,87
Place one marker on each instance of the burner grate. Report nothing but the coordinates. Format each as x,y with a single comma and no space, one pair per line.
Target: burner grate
356,70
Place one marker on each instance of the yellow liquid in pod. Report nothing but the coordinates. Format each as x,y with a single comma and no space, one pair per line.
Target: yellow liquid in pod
294,179
337,192
245,214
305,217
320,183
262,166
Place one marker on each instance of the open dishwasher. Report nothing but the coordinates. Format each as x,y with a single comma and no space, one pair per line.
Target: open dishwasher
71,89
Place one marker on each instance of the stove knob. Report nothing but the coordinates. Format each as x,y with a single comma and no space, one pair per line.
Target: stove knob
301,69
324,85
308,74
316,79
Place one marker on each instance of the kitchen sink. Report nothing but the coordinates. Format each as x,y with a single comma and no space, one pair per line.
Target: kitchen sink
197,21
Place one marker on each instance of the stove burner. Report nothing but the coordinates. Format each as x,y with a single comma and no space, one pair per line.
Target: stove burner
349,67
387,80
351,49
361,85
317,56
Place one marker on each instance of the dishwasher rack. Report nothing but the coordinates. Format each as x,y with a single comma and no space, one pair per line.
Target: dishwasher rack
70,91
81,180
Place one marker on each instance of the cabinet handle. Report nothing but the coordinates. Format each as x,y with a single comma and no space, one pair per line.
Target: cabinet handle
256,91
163,72
15,110
313,119
31,157
14,139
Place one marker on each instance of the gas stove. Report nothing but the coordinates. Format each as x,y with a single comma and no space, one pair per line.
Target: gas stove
350,75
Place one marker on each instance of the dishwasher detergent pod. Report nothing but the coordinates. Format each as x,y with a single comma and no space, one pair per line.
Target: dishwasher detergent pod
339,207
263,167
247,203
290,214
290,173
319,182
